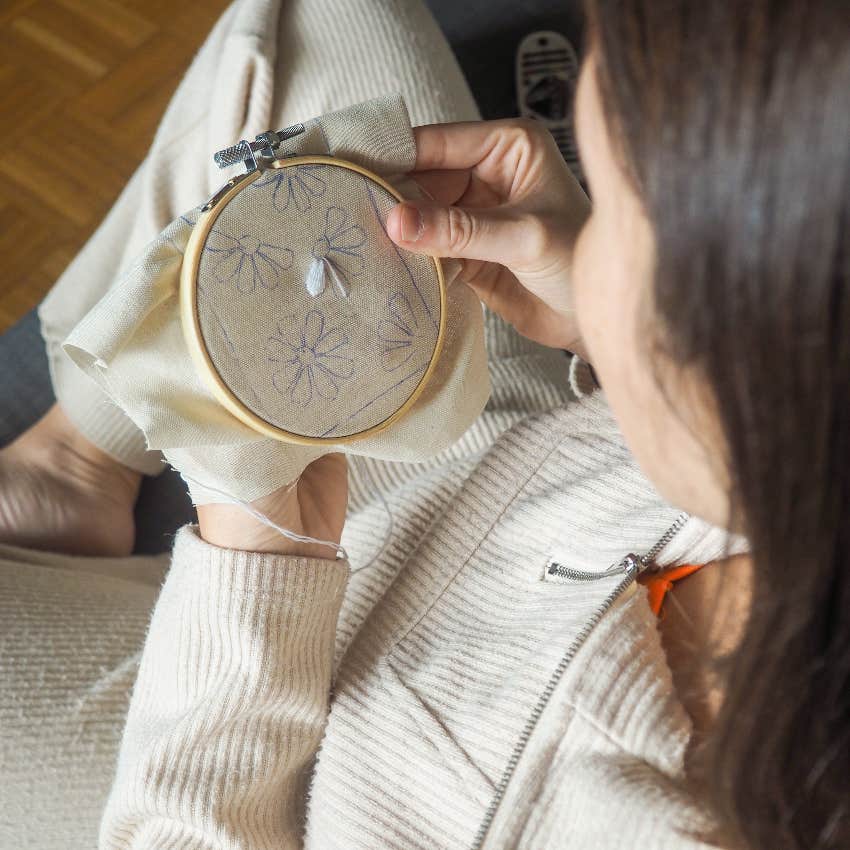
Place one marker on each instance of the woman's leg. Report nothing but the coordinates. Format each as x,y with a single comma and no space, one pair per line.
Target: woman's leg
69,639
26,396
293,61
333,53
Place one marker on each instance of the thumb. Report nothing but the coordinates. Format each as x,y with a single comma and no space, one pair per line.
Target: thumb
492,234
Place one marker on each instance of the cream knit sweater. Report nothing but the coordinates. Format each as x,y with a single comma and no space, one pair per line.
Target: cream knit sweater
438,690
286,702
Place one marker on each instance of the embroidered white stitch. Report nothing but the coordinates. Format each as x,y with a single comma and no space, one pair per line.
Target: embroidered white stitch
338,278
322,269
316,277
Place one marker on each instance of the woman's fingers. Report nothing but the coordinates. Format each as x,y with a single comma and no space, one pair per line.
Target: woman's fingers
445,187
502,200
531,315
499,234
456,187
500,152
499,289
460,144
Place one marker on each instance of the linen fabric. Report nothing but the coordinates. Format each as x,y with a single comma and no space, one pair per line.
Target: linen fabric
265,64
312,316
131,343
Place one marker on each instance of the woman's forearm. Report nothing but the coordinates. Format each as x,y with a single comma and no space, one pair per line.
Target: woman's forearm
230,701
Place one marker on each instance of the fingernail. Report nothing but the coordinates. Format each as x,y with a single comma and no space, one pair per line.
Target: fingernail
411,223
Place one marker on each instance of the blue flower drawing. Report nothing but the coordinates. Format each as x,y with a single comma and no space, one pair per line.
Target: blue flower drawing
341,240
315,359
397,334
294,186
246,262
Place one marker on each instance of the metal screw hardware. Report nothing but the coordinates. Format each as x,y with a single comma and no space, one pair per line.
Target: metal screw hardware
262,150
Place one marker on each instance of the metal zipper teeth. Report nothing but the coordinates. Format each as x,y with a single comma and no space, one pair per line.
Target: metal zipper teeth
627,565
668,535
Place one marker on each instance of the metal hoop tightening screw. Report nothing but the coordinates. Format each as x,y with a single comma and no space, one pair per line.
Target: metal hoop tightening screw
254,154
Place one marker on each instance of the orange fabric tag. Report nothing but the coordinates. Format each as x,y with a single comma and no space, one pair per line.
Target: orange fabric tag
658,584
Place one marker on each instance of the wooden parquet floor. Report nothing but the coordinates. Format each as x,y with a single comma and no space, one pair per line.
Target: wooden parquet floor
83,84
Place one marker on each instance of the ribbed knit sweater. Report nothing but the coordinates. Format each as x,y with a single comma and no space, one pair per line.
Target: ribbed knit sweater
441,688
377,702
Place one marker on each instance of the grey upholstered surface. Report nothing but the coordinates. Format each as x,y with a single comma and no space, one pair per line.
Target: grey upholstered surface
25,390
484,35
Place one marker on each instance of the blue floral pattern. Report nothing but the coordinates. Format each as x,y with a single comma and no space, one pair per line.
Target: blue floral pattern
246,262
397,334
314,359
294,186
341,241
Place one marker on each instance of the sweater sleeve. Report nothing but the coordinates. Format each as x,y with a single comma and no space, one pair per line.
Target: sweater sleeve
230,702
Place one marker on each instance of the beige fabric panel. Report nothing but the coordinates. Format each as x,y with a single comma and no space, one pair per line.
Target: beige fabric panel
329,363
131,343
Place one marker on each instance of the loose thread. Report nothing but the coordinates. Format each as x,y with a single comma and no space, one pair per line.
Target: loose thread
258,515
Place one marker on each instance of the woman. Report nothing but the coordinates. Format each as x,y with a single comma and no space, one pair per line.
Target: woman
474,703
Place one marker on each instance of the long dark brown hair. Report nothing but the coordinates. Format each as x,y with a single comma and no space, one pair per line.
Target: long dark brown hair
733,121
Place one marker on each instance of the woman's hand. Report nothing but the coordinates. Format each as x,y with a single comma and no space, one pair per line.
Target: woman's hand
314,505
505,202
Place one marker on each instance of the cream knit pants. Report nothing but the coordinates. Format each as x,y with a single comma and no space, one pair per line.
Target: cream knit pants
266,64
71,632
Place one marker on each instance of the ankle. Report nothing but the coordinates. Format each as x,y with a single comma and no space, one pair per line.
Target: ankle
55,445
61,493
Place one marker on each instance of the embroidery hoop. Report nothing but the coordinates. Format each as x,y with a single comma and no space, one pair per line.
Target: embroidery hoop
191,323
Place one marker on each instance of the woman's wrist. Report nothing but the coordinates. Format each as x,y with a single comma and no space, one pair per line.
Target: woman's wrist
313,506
230,526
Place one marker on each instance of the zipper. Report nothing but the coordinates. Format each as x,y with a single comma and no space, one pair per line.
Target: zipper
631,566
631,563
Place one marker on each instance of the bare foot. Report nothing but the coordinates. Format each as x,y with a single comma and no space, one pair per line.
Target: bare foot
59,492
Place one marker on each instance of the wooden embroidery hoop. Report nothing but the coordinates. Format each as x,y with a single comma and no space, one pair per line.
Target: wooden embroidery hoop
191,322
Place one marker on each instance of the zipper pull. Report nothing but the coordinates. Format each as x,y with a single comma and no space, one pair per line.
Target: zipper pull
631,565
